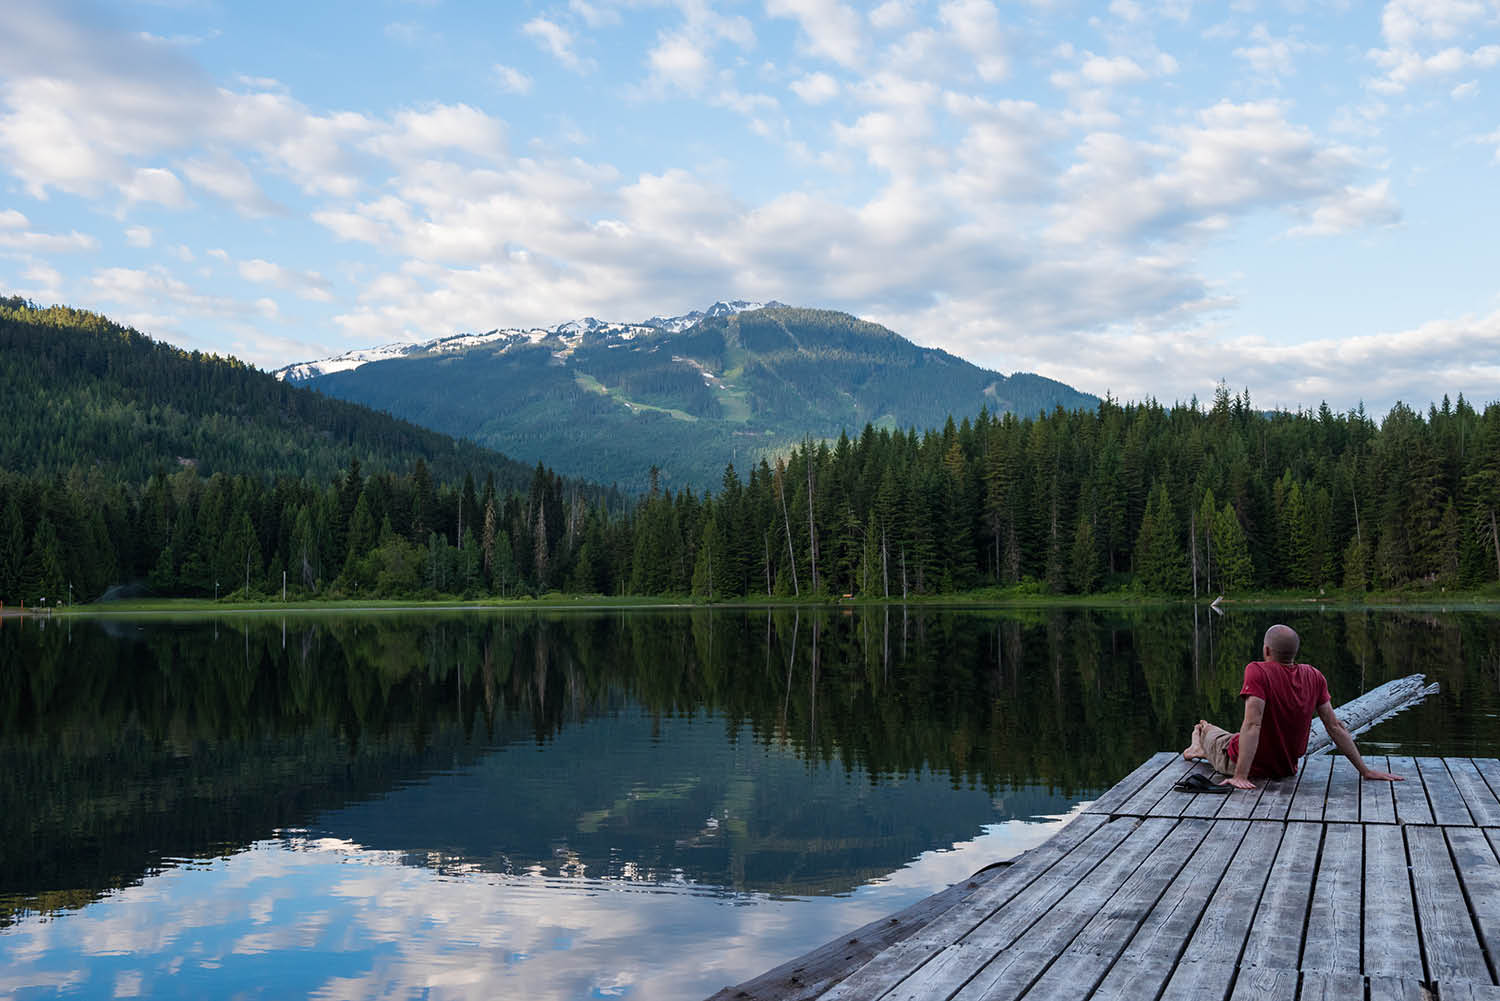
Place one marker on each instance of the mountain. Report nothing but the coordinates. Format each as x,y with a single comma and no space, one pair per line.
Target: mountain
688,394
83,393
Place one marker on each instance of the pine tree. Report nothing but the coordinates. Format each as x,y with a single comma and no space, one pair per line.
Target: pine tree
1160,566
1236,571
1083,557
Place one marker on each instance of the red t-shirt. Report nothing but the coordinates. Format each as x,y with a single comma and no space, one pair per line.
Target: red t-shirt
1293,693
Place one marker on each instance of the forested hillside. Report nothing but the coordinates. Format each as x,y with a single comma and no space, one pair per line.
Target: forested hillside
1225,499
84,394
610,402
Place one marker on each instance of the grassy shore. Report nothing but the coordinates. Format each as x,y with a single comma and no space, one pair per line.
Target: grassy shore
1020,596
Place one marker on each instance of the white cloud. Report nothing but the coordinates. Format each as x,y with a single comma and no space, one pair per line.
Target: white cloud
138,236
154,184
1421,37
1235,159
891,15
35,242
228,178
594,15
306,284
830,29
1404,67
816,88
1111,71
1465,91
680,61
1443,356
1352,208
440,128
156,288
1405,23
558,41
1271,56
975,27
512,80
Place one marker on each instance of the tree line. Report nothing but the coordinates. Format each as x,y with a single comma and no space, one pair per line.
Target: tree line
1217,499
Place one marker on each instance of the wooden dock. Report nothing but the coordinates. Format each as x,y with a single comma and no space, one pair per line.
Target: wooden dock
1320,886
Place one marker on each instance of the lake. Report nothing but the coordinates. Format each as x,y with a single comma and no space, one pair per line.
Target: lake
582,804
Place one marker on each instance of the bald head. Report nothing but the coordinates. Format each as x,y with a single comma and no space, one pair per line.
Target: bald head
1281,643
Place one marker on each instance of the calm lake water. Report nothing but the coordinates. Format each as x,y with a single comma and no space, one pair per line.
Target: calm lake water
561,805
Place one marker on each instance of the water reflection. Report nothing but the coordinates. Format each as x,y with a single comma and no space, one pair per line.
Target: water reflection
572,762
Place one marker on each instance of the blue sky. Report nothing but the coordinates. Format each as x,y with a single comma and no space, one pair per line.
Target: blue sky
1141,198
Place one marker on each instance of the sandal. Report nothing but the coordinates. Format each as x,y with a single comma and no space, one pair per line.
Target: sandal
1198,782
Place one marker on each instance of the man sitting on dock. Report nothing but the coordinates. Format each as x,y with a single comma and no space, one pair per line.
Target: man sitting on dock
1281,697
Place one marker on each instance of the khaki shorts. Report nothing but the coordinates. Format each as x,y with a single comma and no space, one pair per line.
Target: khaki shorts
1216,749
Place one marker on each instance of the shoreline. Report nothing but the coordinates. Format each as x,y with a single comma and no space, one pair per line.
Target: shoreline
1486,600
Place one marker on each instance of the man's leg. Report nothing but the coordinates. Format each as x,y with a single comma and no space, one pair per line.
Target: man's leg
1196,748
1211,743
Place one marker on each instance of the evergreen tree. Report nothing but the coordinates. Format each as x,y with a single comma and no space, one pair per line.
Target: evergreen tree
1083,558
1160,566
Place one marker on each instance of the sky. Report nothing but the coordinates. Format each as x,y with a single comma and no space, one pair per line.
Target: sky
1141,198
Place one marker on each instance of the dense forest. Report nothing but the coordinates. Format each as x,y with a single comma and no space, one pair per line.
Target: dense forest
1221,499
84,393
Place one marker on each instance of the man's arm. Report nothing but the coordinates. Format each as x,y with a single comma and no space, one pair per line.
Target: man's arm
1344,741
1255,710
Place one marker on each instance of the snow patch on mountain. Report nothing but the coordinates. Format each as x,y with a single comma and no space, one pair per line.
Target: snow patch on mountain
568,337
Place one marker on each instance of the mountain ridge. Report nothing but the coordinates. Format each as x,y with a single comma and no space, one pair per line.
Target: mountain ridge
684,396
353,358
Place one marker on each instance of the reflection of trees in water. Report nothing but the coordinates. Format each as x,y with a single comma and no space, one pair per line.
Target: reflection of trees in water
222,732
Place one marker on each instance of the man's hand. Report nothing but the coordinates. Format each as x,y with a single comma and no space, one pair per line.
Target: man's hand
1375,776
1238,783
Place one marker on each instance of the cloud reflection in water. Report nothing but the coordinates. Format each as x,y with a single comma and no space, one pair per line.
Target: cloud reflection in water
322,917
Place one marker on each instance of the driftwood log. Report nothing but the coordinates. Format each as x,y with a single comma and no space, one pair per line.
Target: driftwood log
1375,706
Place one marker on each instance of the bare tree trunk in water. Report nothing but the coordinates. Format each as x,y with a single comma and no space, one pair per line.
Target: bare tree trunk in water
787,521
1193,548
812,538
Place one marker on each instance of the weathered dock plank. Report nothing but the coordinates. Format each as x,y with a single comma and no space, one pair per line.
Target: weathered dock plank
1479,870
1312,789
1333,922
1036,889
1447,802
1265,984
1391,989
1490,769
1174,803
1090,926
1478,796
1160,784
1208,963
1276,799
1467,992
1411,795
1450,944
1391,948
1132,783
1331,987
1377,802
1148,960
1276,934
810,975
1241,803
1004,962
1343,792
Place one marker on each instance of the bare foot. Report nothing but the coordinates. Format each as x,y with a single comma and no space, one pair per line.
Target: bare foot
1195,749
